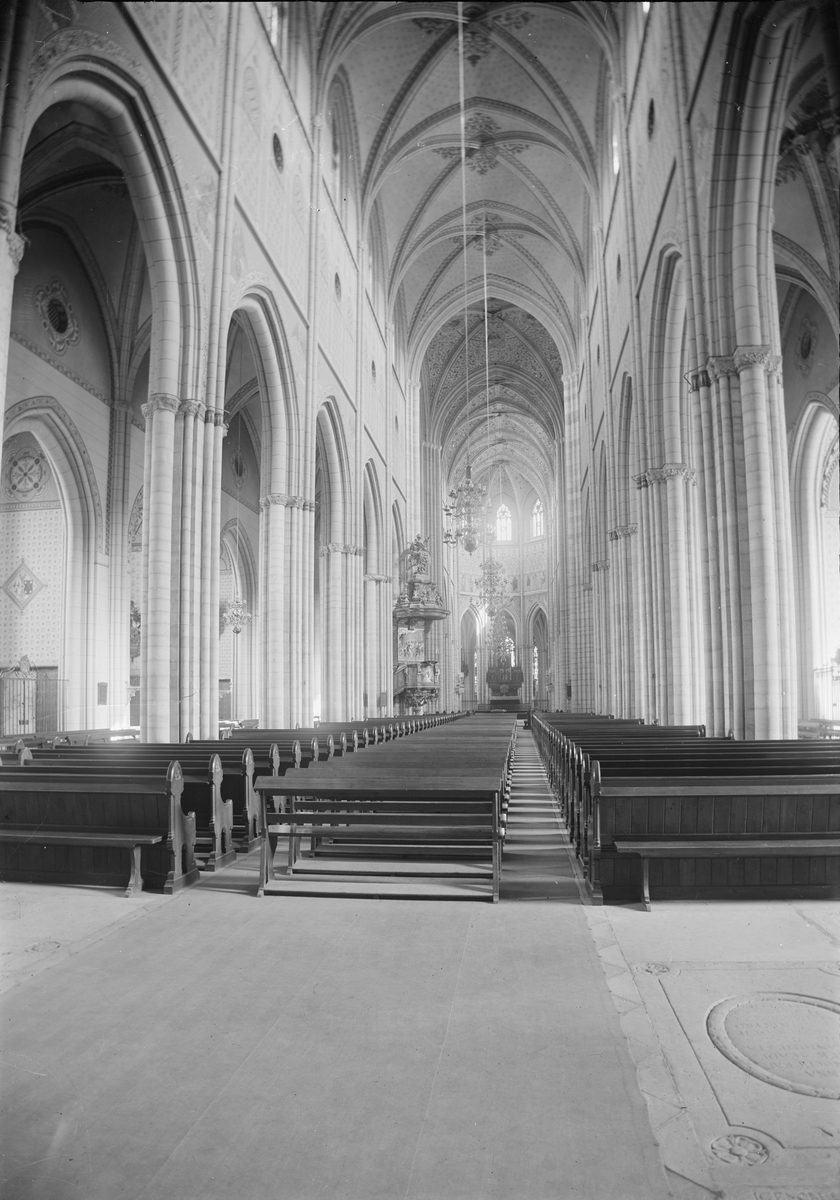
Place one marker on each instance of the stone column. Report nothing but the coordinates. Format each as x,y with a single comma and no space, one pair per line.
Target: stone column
192,413
275,618
159,413
120,595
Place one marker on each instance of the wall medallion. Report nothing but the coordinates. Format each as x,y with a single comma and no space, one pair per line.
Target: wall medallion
57,316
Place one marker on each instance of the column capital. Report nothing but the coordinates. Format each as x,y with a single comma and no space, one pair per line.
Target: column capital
587,587
120,406
340,548
280,498
719,365
377,578
699,379
15,242
215,416
753,356
603,564
678,471
160,402
623,531
192,408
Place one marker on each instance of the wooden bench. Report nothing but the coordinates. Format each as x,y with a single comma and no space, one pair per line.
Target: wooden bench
426,809
724,846
202,788
674,812
399,820
39,817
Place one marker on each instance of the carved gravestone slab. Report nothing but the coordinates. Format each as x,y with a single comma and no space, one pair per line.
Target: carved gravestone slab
755,1054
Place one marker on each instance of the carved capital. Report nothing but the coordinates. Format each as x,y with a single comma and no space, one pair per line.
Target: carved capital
603,564
119,406
678,471
160,402
340,548
192,408
641,481
751,356
721,364
587,587
377,578
700,379
623,531
15,242
280,498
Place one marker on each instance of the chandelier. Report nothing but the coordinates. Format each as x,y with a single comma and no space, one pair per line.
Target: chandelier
465,513
236,615
493,591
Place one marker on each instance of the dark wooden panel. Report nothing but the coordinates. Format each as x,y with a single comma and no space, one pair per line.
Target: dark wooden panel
705,814
770,816
784,871
752,872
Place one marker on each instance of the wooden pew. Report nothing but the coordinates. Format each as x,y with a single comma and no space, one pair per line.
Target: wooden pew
202,788
765,835
426,809
59,831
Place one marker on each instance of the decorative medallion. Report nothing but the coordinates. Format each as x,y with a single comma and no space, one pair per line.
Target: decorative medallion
483,157
26,474
806,345
739,1150
57,316
237,465
22,585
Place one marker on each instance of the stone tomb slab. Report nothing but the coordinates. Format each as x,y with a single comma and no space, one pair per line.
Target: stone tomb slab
755,1053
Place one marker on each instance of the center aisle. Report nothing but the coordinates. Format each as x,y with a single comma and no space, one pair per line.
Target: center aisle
223,1047
535,864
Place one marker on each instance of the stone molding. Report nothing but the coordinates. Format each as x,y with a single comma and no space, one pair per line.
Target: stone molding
622,531
160,402
340,548
826,479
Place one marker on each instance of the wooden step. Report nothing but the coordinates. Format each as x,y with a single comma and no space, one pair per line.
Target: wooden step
380,889
392,866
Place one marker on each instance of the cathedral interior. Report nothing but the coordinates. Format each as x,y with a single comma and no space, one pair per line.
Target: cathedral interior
371,361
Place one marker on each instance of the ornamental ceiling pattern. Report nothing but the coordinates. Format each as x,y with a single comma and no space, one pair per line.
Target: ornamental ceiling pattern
533,78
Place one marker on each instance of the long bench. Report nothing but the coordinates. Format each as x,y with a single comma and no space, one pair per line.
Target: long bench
719,836
415,817
638,798
202,788
58,831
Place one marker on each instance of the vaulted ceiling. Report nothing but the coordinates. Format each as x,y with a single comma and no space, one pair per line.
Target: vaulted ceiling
530,80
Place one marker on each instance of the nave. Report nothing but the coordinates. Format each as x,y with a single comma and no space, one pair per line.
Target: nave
213,1045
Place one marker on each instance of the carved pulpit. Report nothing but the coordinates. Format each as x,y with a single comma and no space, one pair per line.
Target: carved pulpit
416,675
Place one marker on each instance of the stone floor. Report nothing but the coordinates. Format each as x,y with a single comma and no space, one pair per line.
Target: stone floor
214,1045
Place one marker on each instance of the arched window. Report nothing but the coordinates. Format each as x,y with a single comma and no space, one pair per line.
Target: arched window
504,527
537,526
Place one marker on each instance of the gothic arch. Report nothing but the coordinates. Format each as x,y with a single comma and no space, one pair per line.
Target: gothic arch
46,420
